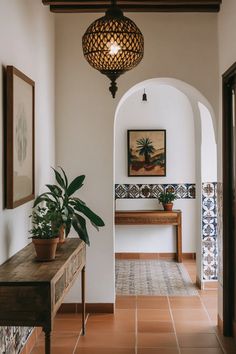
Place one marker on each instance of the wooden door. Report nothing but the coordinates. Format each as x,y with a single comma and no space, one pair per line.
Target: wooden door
229,201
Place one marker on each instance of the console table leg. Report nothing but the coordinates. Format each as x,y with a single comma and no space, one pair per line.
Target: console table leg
83,299
47,340
179,243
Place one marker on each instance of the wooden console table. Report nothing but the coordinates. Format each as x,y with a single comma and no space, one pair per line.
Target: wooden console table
154,217
31,292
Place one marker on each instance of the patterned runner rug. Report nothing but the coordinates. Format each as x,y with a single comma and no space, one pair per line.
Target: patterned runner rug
153,277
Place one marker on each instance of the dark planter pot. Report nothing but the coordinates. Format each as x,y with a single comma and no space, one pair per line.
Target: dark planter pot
168,207
45,249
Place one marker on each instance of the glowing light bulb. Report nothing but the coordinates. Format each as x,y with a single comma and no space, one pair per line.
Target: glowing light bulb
113,47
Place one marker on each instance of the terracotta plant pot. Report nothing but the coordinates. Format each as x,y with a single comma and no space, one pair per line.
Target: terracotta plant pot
45,249
168,207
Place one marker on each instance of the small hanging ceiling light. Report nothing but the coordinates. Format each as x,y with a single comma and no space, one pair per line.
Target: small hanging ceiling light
113,44
144,96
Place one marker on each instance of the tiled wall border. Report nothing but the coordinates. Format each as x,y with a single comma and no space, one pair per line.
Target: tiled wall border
220,231
209,231
141,191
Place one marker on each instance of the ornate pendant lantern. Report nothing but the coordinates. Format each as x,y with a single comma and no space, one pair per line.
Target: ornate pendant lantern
113,44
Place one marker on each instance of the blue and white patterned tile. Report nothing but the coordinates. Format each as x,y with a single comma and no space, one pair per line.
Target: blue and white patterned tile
208,190
145,191
209,260
170,188
208,204
156,190
209,231
191,191
182,191
220,231
121,191
134,191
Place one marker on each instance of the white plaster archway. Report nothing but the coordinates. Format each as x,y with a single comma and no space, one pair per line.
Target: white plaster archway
205,129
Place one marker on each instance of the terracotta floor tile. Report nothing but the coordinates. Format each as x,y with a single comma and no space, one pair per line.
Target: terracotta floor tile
213,315
61,343
104,351
194,327
208,293
185,302
73,316
152,340
189,315
194,320
155,327
227,342
107,340
190,268
112,325
158,351
31,341
65,324
210,302
195,340
119,315
201,351
152,302
125,302
193,278
153,315
24,351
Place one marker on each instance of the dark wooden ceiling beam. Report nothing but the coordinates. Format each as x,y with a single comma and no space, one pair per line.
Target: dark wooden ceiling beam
96,6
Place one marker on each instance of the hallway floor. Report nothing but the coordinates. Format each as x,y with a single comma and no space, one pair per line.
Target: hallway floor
145,325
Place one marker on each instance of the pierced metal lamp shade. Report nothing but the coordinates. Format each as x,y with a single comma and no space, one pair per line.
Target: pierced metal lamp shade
113,44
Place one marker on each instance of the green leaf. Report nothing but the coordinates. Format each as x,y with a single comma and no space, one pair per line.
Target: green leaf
65,176
54,189
67,227
59,179
42,198
75,185
79,225
90,214
75,199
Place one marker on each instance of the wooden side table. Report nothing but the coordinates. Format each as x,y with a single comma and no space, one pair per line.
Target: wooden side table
31,292
154,217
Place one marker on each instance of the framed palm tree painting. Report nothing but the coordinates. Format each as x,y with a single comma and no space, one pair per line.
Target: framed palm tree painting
146,153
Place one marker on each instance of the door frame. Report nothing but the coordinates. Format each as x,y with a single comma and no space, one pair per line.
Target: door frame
228,82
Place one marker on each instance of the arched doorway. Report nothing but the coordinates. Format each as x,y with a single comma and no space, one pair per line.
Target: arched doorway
188,119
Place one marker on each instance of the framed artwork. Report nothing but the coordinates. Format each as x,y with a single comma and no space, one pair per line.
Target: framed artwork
146,153
19,138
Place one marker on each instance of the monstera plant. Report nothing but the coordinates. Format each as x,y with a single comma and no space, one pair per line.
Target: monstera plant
71,211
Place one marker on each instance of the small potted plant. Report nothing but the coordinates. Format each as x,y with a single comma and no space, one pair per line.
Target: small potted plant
45,230
70,210
167,198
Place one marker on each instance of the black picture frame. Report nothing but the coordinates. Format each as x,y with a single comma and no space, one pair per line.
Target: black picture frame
146,152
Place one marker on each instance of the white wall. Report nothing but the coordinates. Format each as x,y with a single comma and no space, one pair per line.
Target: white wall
166,108
27,42
182,46
227,57
208,146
